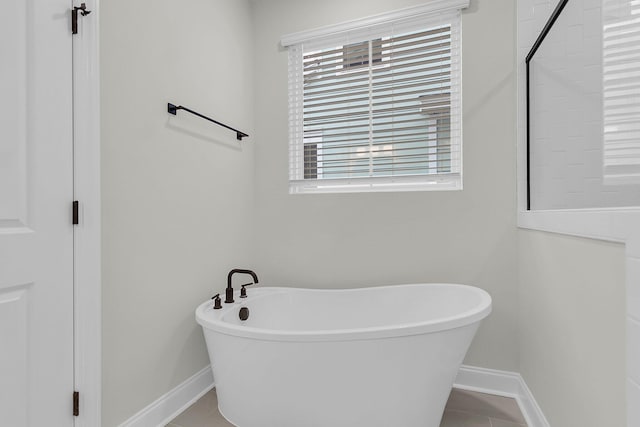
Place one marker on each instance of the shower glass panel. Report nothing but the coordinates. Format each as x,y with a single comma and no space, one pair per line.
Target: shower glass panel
584,108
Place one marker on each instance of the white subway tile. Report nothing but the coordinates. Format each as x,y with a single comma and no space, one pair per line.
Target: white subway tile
573,14
541,14
592,4
575,154
575,178
592,23
525,10
525,35
575,40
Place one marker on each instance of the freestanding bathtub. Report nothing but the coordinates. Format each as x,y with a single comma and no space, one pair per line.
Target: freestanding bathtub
372,357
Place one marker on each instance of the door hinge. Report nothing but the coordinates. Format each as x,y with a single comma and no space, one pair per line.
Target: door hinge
74,219
74,16
76,403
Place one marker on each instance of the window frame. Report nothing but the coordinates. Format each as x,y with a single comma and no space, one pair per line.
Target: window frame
420,18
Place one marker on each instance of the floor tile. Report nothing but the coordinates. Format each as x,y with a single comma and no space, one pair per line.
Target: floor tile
489,405
503,423
203,413
464,409
463,419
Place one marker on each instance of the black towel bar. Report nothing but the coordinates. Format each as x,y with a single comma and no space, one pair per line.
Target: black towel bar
172,109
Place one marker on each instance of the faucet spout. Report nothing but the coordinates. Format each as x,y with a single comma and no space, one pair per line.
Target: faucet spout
229,290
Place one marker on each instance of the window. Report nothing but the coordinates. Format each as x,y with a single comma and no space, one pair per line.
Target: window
376,107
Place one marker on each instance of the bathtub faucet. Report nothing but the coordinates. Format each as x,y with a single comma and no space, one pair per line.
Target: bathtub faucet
229,291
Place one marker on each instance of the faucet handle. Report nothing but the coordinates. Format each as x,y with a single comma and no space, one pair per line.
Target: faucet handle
217,303
243,291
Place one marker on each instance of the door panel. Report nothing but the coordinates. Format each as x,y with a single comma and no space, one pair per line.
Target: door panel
36,235
13,358
13,32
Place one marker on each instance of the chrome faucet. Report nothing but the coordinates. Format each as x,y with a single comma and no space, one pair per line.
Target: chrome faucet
229,290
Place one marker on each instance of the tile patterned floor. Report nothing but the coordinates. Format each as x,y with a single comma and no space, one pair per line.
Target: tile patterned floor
464,409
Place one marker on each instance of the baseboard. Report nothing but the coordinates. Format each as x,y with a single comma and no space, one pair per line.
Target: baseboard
173,403
492,381
502,383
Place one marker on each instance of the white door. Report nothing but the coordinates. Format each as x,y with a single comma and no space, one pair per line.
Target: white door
36,234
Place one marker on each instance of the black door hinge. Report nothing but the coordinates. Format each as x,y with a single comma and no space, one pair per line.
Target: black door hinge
76,403
74,219
74,16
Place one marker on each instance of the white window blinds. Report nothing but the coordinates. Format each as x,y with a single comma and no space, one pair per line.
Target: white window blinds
621,91
377,108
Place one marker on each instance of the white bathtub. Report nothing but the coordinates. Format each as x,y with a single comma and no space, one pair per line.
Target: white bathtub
372,357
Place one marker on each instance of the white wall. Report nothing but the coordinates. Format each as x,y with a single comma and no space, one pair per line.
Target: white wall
572,328
374,239
177,191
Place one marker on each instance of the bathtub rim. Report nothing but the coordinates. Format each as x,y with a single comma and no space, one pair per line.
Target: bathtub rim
204,317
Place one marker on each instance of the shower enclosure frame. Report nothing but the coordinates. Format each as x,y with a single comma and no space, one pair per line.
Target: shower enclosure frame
543,34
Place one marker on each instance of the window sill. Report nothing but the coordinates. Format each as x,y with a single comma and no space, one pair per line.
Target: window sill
451,182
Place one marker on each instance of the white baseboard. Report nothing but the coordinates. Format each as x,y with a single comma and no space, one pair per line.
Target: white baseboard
491,381
173,403
502,383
